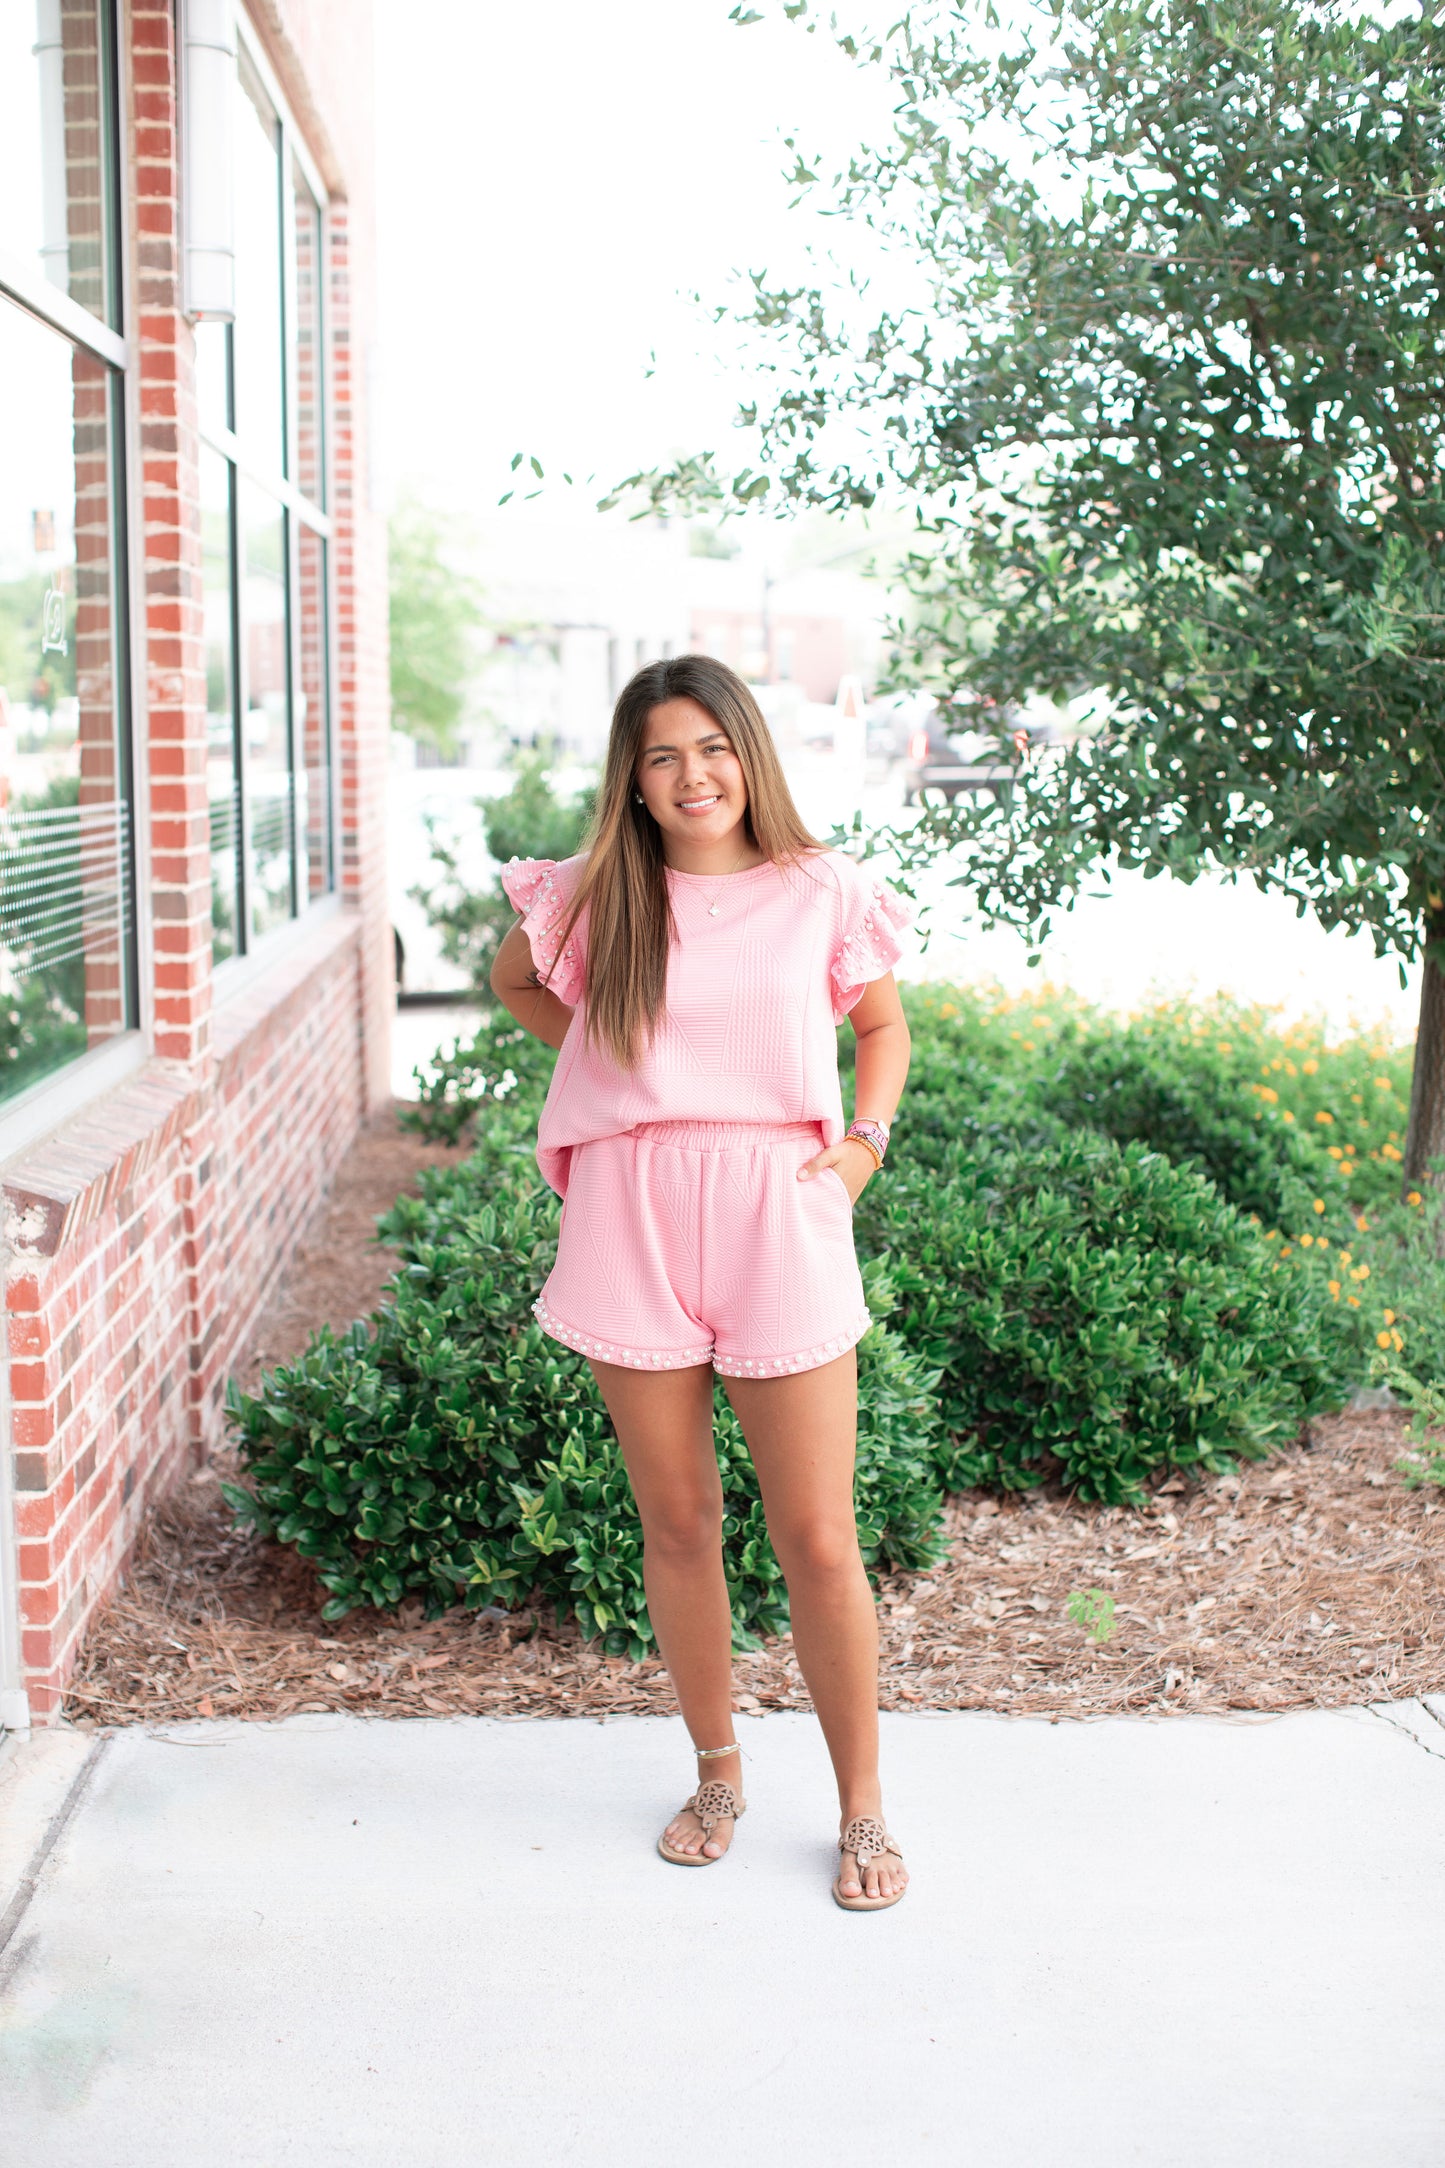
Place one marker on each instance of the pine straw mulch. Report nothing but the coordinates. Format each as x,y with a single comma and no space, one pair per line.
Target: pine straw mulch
1310,1580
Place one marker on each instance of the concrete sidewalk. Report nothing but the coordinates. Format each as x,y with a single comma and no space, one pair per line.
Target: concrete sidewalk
1185,1943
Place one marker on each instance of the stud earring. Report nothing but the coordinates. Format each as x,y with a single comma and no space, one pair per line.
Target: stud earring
637,798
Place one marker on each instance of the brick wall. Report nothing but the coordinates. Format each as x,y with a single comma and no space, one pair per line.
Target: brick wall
141,1239
98,1333
144,1239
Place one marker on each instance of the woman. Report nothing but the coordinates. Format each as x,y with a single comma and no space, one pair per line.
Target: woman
692,964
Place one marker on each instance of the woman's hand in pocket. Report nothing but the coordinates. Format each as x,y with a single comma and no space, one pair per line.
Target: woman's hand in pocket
852,1162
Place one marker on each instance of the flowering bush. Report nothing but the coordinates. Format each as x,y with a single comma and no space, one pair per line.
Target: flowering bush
1275,1115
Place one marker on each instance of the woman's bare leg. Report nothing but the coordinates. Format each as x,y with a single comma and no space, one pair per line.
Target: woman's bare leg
801,1431
663,1420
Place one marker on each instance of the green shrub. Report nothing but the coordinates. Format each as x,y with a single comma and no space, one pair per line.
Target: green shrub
1195,1106
528,821
449,1449
1099,1314
1274,1114
499,1063
1062,1245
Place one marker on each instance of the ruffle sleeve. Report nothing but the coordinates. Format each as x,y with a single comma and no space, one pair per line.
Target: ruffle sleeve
868,945
540,890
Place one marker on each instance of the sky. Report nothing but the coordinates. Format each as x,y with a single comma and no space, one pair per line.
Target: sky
555,180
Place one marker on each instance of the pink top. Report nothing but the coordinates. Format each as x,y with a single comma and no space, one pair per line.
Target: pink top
754,998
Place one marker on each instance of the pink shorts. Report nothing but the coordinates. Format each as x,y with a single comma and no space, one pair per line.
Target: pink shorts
694,1242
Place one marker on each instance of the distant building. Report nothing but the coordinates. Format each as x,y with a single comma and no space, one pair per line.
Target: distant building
591,602
195,961
812,628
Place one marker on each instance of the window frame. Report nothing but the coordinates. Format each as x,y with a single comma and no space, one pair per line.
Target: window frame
252,951
52,1100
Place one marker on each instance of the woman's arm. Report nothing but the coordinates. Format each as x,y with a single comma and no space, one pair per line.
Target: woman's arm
884,1047
883,1052
516,985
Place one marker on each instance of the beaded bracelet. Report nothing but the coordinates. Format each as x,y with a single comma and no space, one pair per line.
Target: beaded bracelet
873,1136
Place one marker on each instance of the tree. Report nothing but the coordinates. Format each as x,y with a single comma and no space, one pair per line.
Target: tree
435,613
1172,414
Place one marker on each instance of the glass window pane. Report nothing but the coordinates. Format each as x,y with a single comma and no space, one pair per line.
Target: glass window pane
313,779
223,785
213,374
55,146
306,357
256,333
65,856
266,722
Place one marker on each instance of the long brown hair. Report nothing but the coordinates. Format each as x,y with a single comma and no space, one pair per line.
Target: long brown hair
623,884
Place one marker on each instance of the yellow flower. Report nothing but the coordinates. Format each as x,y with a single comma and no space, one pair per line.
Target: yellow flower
1382,1339
1389,1317
1288,1115
1360,1272
1383,1083
1286,1251
948,1009
1363,1224
1399,1343
1414,1197
1345,1257
1388,1151
1335,1152
1310,1068
1267,1091
1306,1242
1323,1117
1353,1301
1319,1204
1335,1289
1347,1167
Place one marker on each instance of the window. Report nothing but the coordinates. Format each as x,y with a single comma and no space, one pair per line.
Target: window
67,956
265,533
57,148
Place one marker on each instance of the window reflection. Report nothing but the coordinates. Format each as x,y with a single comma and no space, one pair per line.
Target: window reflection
65,893
306,353
54,146
257,350
261,381
266,720
223,791
213,375
313,777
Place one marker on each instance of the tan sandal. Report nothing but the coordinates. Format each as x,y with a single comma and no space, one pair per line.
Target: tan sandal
867,1839
711,1802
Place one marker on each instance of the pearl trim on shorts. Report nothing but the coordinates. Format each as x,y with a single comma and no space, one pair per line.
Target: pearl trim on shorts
776,1366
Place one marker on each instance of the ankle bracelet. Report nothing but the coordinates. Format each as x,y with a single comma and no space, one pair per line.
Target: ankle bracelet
715,1753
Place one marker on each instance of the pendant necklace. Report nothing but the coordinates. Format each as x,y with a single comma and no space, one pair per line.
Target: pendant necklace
713,907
